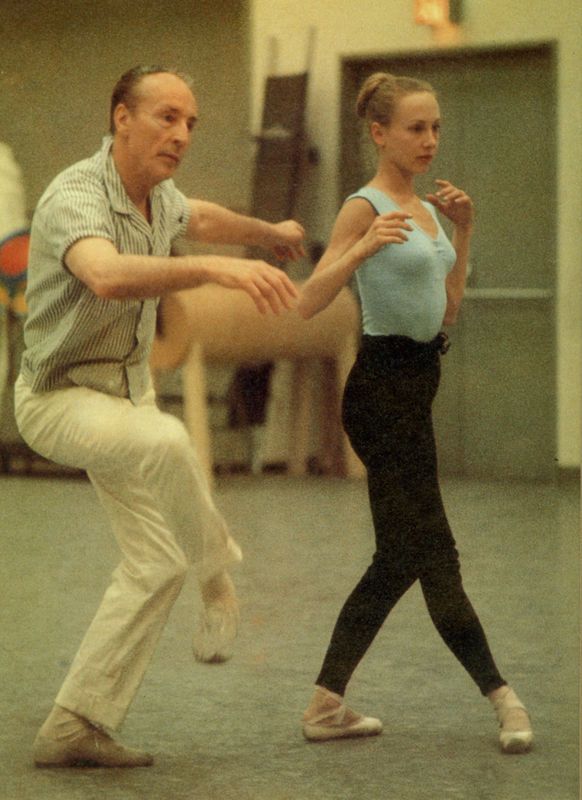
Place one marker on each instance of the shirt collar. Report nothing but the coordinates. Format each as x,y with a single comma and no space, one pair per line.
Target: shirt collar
118,197
120,200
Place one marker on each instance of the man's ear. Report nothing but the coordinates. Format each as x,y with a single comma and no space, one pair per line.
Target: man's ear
121,116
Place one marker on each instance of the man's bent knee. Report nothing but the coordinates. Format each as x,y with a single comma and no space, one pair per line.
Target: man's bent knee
157,577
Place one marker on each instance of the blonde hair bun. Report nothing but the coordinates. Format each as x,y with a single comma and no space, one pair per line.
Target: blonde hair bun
380,93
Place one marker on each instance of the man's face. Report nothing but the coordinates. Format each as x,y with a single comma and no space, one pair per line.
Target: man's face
155,134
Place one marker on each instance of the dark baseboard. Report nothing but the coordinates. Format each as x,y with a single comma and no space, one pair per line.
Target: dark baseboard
568,475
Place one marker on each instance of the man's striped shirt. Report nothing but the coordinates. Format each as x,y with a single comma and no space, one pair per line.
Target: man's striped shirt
73,337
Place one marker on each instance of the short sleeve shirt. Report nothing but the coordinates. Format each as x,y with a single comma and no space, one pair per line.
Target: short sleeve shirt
72,337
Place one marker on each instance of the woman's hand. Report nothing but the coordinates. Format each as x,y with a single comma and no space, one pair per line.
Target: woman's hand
385,229
454,203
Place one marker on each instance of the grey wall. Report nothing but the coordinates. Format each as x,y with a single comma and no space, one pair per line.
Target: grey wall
59,61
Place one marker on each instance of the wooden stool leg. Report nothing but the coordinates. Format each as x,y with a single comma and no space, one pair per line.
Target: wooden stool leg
329,411
299,427
196,408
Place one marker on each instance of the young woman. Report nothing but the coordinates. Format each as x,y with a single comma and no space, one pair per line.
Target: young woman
411,281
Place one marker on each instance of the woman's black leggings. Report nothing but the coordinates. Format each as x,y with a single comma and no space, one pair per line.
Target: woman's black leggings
387,416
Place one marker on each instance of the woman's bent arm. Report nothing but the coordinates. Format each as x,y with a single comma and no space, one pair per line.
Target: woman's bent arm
357,234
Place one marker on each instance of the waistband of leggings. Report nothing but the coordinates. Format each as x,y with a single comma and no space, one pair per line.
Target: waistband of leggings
396,350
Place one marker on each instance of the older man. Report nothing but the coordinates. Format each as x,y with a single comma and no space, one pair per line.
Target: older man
99,259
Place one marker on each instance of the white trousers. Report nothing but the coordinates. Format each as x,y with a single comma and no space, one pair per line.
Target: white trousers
146,474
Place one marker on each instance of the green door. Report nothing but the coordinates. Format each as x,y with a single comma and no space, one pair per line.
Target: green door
495,413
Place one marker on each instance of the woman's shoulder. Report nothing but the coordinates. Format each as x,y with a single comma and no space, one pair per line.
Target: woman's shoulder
356,208
379,200
354,218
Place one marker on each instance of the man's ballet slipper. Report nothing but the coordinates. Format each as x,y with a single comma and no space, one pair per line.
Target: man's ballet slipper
215,634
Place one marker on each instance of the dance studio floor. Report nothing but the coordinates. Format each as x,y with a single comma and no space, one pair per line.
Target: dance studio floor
231,731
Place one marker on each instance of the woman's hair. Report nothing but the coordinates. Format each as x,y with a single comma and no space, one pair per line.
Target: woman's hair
126,89
381,92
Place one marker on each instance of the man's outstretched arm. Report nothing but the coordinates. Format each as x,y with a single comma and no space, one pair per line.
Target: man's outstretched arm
115,276
211,223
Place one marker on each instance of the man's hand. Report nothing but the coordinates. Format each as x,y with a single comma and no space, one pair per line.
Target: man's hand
269,287
214,224
286,240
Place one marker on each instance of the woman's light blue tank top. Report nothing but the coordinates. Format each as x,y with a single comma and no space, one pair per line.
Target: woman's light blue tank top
402,286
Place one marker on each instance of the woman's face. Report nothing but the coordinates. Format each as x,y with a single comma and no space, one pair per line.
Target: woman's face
411,140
